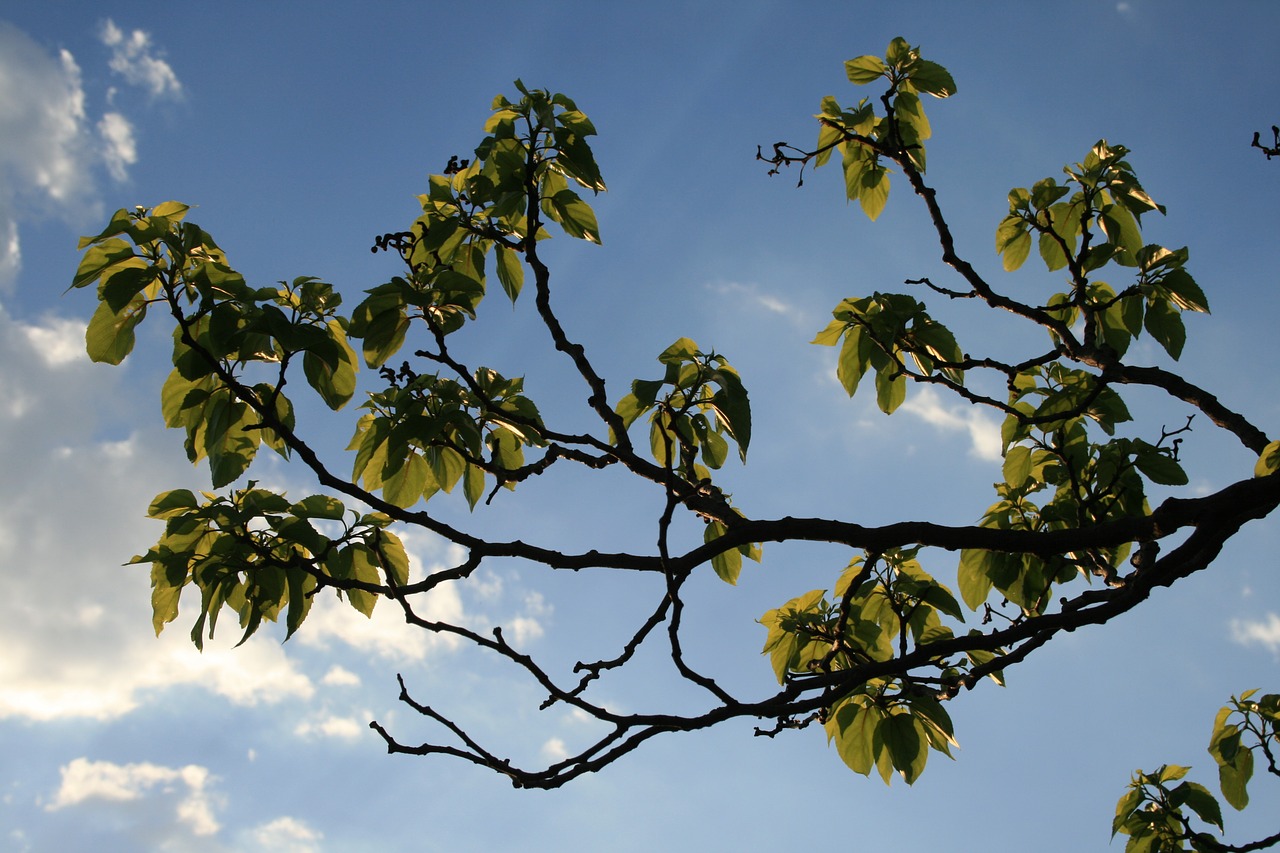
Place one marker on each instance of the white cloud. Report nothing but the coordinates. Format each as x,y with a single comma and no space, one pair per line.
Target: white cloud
555,750
79,676
45,152
1265,633
120,150
10,248
333,726
49,145
156,807
71,507
528,626
58,342
753,295
339,677
983,430
135,58
386,634
286,835
84,781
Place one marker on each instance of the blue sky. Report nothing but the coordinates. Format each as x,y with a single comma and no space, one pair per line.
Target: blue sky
300,133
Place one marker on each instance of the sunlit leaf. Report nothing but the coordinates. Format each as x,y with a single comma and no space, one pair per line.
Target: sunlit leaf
864,69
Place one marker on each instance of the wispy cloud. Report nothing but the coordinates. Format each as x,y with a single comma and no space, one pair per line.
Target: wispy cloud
1265,633
756,297
45,149
982,427
334,726
135,58
50,146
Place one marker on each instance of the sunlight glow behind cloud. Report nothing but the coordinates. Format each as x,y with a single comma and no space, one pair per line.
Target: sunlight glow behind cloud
89,651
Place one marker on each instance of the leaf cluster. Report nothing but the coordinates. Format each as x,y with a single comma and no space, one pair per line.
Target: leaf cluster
257,554
877,333
425,433
881,606
694,410
1156,815
866,141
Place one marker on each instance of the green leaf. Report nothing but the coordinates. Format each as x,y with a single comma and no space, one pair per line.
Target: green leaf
121,284
733,408
363,568
714,448
1051,252
319,506
1121,228
1165,325
300,531
1161,468
974,577
405,487
1186,294
174,210
899,52
1131,800
229,446
864,69
109,337
630,407
683,350
1199,800
334,378
165,592
874,191
109,254
932,78
381,321
901,737
727,564
473,485
447,466
172,504
1268,460
855,356
300,586
1017,465
1233,779
395,560
510,272
891,390
830,336
854,736
1013,243
574,215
